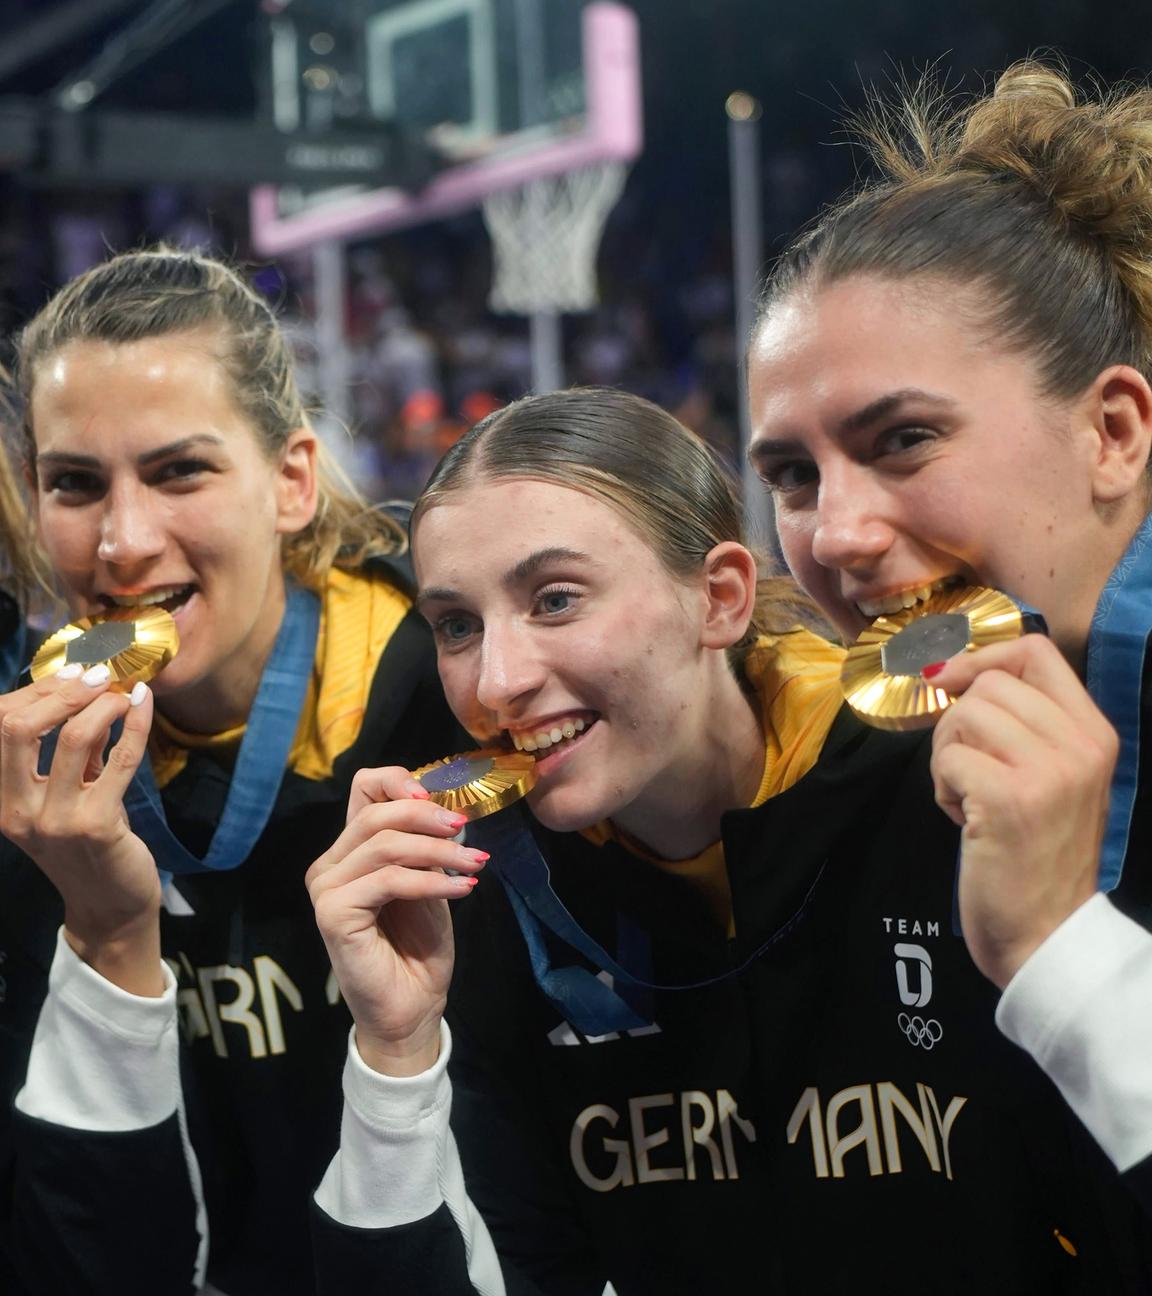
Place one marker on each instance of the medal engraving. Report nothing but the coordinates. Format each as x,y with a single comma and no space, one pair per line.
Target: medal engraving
135,646
104,640
479,783
454,775
881,676
931,638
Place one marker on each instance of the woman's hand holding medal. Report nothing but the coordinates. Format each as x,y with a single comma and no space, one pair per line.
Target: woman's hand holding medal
71,822
1022,762
393,961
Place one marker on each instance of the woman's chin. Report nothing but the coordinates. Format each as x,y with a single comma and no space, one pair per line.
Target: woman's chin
561,811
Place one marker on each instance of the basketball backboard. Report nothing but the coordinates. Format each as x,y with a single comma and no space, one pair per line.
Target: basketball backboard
506,90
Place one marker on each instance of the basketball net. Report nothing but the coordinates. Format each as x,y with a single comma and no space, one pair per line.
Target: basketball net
545,236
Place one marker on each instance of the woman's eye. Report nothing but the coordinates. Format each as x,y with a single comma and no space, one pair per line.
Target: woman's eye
553,602
900,439
179,470
74,482
454,629
784,477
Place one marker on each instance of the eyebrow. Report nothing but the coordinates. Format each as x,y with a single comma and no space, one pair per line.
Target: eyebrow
858,420
152,456
524,570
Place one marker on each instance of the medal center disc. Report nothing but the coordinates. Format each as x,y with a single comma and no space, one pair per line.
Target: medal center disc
456,774
101,642
931,638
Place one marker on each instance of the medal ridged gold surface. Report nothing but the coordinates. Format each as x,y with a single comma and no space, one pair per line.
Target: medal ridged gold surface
149,638
479,783
887,699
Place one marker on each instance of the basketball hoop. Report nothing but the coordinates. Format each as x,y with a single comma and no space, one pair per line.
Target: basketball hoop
545,236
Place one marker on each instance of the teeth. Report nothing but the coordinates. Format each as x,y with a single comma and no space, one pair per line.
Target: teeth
146,600
905,599
548,737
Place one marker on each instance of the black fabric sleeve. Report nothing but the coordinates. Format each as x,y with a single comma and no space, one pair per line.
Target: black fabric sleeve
425,1258
92,1217
1139,1181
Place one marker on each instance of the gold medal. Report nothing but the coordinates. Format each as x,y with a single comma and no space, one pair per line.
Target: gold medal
479,783
134,643
881,675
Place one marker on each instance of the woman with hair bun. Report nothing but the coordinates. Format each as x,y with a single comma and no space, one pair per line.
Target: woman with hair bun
172,463
950,383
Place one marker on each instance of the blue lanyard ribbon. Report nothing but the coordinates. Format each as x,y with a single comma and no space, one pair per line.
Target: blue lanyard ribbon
1117,645
260,763
586,999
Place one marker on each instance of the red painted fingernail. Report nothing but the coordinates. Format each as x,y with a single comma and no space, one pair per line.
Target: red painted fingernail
481,857
930,672
421,794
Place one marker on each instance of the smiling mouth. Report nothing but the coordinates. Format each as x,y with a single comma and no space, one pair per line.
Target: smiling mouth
907,598
169,597
556,735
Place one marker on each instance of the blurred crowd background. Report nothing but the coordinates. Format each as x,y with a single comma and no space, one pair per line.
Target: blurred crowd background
427,355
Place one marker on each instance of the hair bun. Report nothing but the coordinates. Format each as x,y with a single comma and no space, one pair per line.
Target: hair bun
1091,160
1036,81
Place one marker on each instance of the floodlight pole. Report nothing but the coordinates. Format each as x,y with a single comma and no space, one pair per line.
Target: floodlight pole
545,333
747,262
331,347
545,336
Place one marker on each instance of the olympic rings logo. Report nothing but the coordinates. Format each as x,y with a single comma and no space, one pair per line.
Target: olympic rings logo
923,1034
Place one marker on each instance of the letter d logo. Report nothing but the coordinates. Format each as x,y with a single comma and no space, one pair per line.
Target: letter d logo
905,954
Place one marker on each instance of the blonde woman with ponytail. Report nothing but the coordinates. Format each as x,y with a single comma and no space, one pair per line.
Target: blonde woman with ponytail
950,383
171,1036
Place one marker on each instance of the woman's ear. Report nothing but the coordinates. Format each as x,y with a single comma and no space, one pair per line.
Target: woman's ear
730,594
298,480
1120,407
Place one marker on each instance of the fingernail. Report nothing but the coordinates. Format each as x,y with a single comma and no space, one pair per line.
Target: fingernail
420,792
138,694
930,672
450,819
94,676
465,883
478,856
70,672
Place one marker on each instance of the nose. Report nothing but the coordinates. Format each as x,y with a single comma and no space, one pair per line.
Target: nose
853,530
130,530
511,668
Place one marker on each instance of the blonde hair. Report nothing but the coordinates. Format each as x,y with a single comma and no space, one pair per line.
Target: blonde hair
23,568
152,293
1035,196
636,457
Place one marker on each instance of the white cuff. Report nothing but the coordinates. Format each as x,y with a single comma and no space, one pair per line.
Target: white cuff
1081,1005
398,1162
387,1170
102,1059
